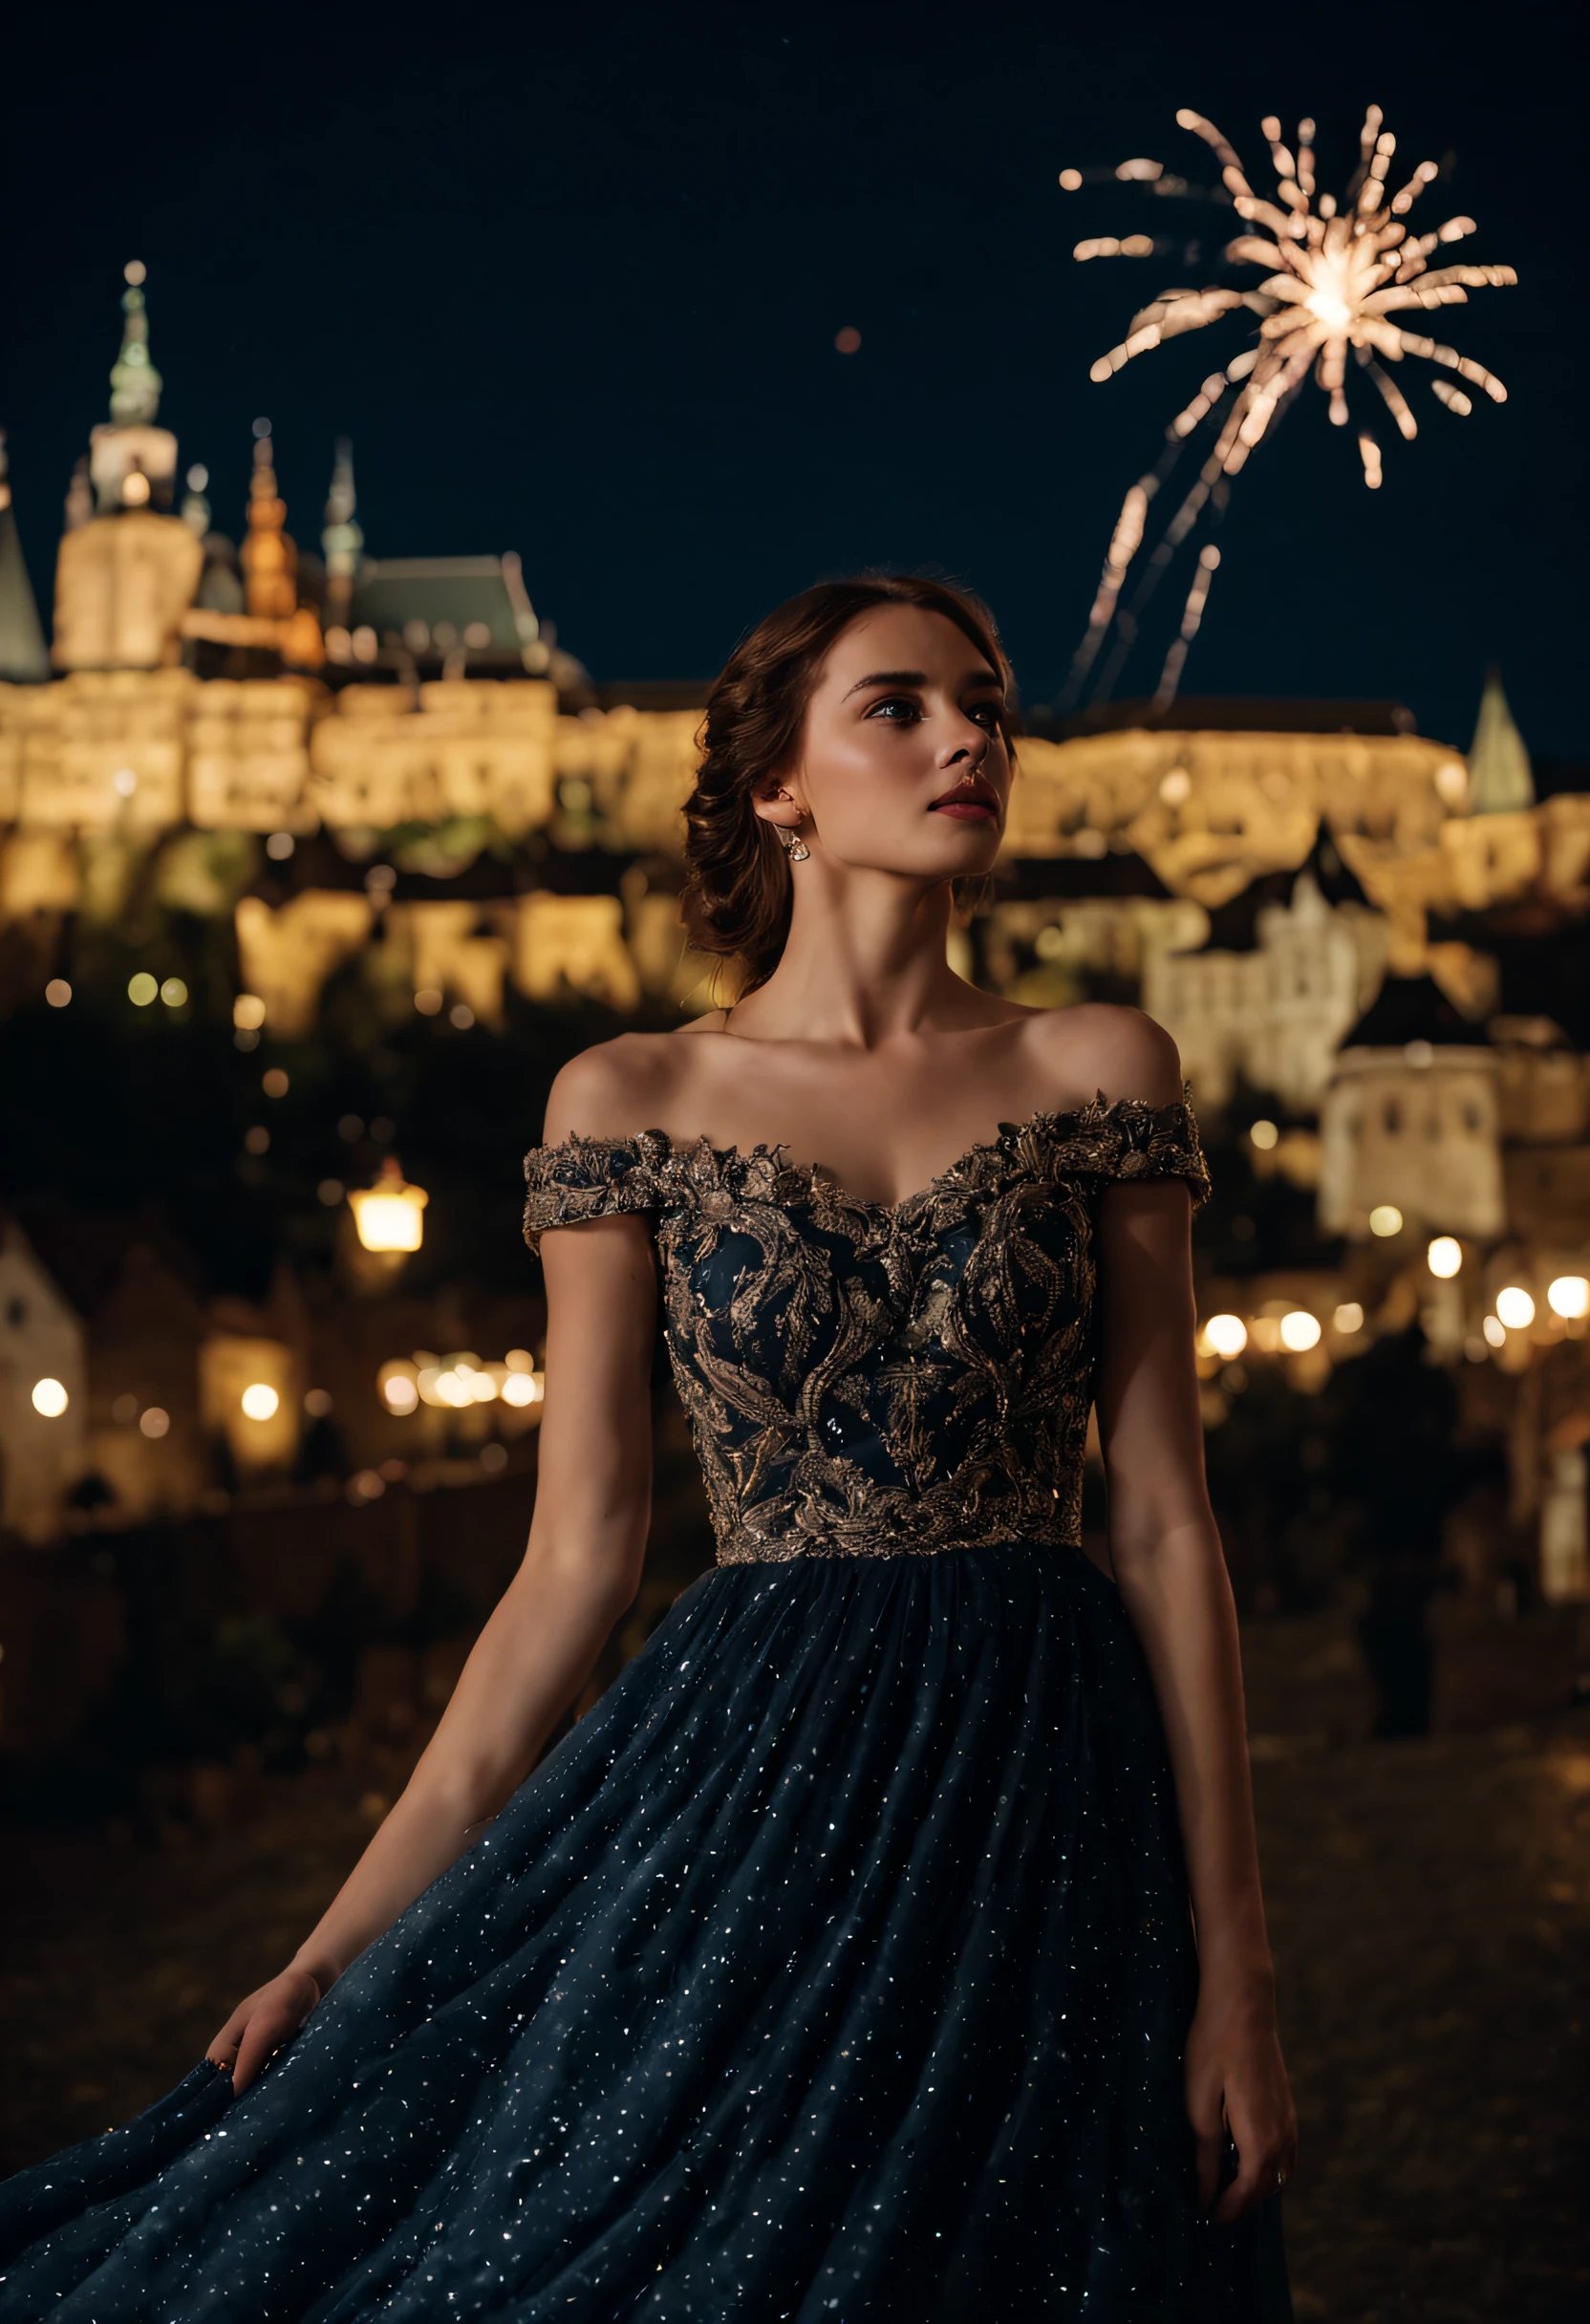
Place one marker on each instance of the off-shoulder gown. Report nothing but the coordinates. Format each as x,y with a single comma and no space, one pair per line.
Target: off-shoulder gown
837,1965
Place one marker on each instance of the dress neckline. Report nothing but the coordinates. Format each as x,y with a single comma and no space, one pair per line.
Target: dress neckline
769,1159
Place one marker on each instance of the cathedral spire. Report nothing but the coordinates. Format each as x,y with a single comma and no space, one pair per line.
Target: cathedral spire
23,658
132,458
342,541
1501,781
134,382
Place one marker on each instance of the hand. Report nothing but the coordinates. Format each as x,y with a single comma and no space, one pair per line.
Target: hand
260,2025
1236,2081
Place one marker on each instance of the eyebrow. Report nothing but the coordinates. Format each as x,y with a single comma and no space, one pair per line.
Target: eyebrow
919,678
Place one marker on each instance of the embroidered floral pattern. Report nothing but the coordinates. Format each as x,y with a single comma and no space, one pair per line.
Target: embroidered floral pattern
870,1379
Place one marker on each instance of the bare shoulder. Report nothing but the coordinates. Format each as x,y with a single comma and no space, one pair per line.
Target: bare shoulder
1098,1046
616,1090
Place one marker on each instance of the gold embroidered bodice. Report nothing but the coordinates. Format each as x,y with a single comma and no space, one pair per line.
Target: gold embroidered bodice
870,1379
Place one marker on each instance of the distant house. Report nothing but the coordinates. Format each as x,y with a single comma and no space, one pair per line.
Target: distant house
43,1393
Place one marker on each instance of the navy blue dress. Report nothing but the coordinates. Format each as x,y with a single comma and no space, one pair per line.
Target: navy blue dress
837,1967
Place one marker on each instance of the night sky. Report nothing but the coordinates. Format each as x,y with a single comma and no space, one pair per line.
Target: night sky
571,280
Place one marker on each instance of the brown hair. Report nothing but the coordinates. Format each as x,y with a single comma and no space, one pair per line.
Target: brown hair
737,896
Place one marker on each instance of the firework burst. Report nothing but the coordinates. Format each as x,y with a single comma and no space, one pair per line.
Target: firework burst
1336,278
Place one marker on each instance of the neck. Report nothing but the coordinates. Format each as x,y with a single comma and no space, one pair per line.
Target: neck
865,963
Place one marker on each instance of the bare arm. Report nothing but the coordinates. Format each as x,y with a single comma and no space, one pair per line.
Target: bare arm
1169,1562
581,1569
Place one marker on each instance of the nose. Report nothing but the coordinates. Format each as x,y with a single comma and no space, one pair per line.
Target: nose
968,747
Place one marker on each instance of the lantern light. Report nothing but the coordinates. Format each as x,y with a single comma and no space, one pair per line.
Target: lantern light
387,1214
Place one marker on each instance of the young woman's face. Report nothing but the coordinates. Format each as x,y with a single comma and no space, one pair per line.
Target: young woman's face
901,766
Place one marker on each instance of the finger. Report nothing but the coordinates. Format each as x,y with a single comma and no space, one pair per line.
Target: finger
266,2034
1254,2183
1210,2146
223,2050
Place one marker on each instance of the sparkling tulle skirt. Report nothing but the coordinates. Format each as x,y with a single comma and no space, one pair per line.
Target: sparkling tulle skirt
836,1967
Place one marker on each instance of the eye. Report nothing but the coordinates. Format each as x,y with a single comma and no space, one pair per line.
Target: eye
986,714
899,708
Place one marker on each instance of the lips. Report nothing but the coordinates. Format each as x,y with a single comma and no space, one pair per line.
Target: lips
975,801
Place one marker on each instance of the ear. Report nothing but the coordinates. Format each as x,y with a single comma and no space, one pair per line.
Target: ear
775,803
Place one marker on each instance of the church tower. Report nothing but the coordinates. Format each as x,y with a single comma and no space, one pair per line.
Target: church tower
124,579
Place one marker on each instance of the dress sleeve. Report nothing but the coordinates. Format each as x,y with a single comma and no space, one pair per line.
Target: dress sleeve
588,1178
1144,1141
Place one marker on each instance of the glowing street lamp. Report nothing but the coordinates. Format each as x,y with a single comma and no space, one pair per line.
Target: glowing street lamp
387,1214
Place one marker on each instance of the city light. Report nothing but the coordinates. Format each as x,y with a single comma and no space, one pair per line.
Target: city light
1445,1256
399,1392
387,1214
154,1422
1227,1335
522,1388
1385,1219
1264,1135
1569,1297
1514,1307
1348,1318
1496,1335
142,989
259,1401
247,1012
58,993
1300,1331
49,1398
174,993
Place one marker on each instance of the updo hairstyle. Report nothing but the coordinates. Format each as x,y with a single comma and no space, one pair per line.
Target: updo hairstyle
738,886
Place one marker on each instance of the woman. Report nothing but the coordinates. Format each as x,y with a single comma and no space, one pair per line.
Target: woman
840,1962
